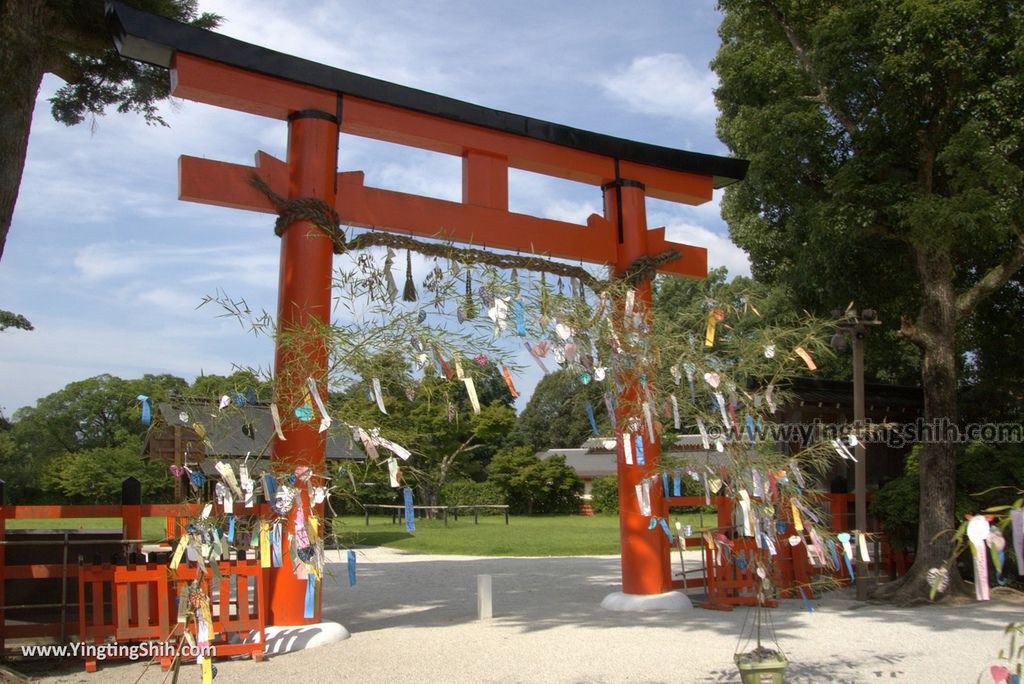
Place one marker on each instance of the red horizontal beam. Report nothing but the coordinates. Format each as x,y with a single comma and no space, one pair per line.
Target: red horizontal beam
227,185
203,80
54,512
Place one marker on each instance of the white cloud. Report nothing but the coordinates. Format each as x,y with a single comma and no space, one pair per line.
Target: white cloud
721,250
569,211
58,351
666,84
231,263
166,298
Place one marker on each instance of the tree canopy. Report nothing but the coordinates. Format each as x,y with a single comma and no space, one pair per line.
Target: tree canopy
885,141
71,39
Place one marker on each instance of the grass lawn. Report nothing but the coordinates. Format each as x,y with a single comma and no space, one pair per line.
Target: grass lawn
566,535
556,535
152,528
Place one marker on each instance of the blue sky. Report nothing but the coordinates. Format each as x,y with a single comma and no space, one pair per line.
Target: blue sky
110,266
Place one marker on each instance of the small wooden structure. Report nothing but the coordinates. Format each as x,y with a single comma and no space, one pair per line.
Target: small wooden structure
229,435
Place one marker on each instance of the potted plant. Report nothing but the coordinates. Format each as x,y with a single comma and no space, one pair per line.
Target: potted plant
762,664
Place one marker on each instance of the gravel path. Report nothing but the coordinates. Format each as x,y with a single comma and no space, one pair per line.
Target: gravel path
412,619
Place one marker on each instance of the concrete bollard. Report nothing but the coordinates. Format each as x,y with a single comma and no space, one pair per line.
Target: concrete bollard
483,597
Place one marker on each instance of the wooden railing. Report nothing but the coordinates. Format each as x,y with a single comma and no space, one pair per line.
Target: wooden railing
124,597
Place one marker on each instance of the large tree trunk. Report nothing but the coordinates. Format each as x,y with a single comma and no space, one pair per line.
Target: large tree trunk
934,332
23,26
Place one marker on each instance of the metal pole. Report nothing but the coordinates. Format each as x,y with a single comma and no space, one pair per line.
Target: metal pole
860,469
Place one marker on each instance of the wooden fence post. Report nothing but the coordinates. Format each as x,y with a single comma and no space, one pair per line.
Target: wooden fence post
3,563
131,514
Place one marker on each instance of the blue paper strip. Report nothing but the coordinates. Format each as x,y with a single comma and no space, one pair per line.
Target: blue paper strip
677,483
147,412
590,417
410,524
275,545
664,484
639,450
520,319
351,568
750,427
807,604
310,596
231,529
849,568
664,527
832,552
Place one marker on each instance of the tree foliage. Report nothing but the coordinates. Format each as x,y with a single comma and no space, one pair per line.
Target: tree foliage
532,485
445,442
95,475
85,426
72,40
885,145
556,415
604,493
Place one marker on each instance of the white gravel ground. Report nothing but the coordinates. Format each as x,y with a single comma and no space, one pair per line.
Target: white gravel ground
412,619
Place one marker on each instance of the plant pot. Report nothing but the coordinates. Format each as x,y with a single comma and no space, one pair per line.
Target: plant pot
764,667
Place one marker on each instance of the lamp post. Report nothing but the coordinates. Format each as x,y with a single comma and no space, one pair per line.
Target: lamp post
855,327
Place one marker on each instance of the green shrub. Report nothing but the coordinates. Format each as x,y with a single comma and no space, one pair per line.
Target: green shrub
604,493
532,485
470,493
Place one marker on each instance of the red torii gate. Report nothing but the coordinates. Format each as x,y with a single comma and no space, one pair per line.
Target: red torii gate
319,102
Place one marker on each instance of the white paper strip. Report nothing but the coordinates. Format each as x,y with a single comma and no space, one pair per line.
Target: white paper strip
459,373
397,449
675,412
371,448
627,448
471,390
393,471
325,420
645,507
720,398
247,485
228,476
745,508
704,439
862,543
650,421
276,416
379,396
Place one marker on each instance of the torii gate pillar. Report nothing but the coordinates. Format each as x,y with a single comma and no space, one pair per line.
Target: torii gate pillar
646,568
303,303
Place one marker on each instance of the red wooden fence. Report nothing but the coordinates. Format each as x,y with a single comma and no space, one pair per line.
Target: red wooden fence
134,602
